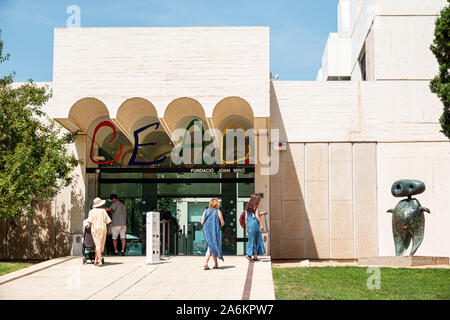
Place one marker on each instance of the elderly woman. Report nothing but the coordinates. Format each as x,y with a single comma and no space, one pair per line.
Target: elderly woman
97,220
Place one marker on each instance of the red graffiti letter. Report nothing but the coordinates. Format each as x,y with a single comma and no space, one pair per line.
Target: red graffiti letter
103,124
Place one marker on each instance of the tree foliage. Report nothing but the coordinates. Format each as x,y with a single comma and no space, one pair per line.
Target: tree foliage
440,85
34,161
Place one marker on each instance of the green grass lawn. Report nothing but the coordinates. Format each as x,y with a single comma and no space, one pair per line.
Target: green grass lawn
351,283
7,267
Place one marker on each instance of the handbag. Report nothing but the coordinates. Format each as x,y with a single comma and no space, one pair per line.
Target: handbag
242,220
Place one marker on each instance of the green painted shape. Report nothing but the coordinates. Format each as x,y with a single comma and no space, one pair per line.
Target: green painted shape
198,123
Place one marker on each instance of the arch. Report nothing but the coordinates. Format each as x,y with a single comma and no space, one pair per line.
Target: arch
132,111
180,112
233,113
85,111
233,109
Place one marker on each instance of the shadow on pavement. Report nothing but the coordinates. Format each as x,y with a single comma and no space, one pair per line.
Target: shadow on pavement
226,267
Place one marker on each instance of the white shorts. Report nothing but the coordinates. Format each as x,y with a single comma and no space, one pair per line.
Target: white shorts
116,230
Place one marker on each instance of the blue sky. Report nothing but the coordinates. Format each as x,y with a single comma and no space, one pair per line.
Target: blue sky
298,28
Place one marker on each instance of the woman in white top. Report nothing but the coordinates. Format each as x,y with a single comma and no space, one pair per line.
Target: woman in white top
98,219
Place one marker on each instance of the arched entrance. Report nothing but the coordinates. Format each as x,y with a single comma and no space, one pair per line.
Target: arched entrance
131,156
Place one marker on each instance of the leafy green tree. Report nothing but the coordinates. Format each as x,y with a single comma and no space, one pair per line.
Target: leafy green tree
34,161
440,85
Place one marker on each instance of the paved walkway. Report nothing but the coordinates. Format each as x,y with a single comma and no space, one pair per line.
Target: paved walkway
178,278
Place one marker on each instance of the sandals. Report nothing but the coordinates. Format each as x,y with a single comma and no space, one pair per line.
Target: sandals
249,258
206,267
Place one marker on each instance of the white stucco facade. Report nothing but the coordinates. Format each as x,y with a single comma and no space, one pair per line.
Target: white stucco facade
161,65
392,118
347,141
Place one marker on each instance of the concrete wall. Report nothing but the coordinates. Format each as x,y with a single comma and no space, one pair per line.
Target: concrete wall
355,111
402,34
47,234
429,162
402,48
323,202
355,8
347,143
160,64
336,57
344,23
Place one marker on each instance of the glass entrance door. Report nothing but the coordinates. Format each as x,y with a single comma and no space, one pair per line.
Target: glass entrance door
181,200
195,212
135,226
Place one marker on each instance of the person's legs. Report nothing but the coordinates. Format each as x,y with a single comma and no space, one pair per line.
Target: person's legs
260,250
250,246
208,255
123,237
97,243
216,265
98,254
123,244
115,234
249,250
99,249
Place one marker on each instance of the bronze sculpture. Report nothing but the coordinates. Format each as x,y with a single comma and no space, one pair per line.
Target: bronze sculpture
408,221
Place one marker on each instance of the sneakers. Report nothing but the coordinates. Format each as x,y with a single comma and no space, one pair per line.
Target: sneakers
122,253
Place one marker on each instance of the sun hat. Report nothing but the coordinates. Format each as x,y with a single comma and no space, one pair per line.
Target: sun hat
98,202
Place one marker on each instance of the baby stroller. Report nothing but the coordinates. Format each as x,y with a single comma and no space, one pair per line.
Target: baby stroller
88,245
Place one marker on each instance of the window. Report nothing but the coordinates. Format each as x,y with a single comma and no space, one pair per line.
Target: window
339,78
362,64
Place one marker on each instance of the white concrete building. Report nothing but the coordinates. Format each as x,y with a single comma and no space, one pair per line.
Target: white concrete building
347,140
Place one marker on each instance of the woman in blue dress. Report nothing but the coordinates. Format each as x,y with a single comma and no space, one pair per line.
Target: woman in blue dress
212,220
255,245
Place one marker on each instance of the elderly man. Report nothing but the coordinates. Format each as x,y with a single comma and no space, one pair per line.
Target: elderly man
119,222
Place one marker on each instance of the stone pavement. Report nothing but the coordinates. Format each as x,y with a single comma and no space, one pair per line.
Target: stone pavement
177,278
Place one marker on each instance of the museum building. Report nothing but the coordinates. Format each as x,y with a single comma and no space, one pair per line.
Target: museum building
334,146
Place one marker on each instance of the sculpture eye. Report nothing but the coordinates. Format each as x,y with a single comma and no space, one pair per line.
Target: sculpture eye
399,187
411,186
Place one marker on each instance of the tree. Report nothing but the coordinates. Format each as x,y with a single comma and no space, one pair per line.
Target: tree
440,85
34,161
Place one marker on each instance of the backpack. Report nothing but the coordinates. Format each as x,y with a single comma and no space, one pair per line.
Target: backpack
242,220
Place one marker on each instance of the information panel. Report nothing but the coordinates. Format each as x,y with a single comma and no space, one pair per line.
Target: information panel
153,238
